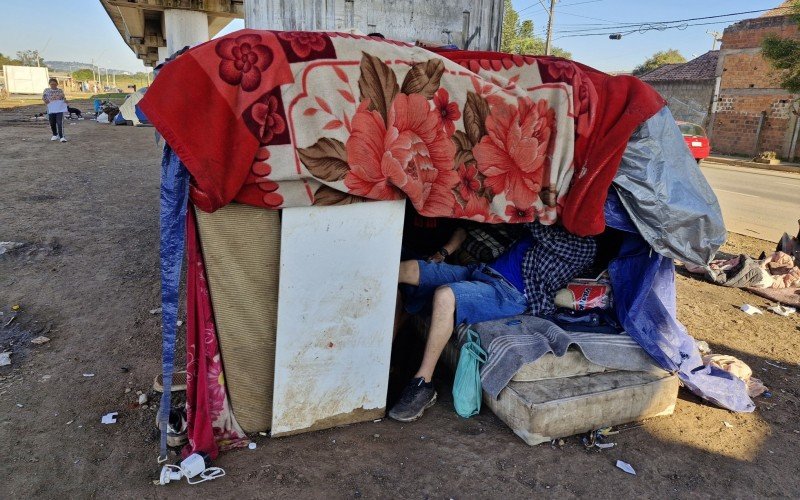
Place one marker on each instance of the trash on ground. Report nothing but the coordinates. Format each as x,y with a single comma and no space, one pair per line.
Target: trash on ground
728,424
625,466
751,310
5,358
782,310
737,368
15,307
157,310
7,246
88,375
252,445
40,340
776,366
109,418
262,433
605,446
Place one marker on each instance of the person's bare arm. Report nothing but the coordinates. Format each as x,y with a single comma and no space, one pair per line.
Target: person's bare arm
458,237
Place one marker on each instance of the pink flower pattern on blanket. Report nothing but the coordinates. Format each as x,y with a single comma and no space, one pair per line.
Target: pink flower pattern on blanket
513,154
244,58
406,140
413,151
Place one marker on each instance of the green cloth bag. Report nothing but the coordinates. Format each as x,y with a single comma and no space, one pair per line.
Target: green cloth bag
467,389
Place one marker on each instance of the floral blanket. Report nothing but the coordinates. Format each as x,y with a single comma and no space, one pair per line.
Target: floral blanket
286,119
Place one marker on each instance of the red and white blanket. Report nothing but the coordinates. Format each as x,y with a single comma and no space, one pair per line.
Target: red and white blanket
286,119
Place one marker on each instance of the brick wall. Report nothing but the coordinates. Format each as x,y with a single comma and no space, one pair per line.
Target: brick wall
736,124
749,33
688,101
748,87
743,71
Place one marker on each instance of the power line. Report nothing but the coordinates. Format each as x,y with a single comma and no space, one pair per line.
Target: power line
645,28
643,23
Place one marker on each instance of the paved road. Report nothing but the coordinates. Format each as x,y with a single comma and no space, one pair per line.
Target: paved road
763,204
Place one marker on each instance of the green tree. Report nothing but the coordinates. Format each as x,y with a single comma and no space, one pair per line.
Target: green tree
7,61
519,37
784,55
659,59
83,75
30,58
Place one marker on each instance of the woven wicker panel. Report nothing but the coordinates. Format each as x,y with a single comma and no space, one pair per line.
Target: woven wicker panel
241,248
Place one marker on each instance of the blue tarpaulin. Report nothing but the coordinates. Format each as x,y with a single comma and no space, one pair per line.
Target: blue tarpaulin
643,282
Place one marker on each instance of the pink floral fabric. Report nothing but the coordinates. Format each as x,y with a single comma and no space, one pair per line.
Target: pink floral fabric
212,426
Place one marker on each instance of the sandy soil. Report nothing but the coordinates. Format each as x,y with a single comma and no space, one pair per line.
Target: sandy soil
88,275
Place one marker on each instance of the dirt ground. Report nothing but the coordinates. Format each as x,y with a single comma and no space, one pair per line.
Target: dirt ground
88,275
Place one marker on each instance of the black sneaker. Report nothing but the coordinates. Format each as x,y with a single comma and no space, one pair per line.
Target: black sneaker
417,397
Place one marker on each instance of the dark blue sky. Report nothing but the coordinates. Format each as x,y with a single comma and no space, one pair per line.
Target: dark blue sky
79,30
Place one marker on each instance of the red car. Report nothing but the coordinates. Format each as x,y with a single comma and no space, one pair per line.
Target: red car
696,140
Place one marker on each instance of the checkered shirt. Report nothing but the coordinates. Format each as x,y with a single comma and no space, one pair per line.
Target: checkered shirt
554,258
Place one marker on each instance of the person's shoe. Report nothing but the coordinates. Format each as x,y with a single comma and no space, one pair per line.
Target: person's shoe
54,138
417,397
63,139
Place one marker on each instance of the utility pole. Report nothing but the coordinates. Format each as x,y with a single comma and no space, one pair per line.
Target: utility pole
715,38
549,39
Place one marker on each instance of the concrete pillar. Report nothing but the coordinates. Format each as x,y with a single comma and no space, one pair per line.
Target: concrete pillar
295,15
184,27
162,55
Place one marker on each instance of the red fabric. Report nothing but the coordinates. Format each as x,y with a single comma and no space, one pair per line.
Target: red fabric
240,115
198,319
211,426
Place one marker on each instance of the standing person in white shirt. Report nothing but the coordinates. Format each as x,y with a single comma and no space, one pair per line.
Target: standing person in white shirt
56,107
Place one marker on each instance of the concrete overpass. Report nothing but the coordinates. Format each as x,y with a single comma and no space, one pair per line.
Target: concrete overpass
154,29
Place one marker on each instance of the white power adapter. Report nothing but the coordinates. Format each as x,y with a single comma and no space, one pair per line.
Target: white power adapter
195,465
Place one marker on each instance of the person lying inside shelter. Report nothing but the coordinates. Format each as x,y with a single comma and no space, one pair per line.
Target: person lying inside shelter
523,279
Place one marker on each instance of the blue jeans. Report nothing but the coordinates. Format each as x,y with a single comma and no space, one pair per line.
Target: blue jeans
481,293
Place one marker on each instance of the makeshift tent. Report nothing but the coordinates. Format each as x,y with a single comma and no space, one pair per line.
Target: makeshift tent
294,119
129,113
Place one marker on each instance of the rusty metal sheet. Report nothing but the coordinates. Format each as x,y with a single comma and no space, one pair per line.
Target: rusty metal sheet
336,302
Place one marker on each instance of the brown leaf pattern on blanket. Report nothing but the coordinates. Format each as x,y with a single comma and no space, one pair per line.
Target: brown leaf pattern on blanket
377,83
423,78
463,148
326,160
327,196
476,110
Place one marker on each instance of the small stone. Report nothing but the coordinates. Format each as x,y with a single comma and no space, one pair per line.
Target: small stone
40,340
144,407
15,307
20,405
376,435
138,393
142,399
127,390
262,433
